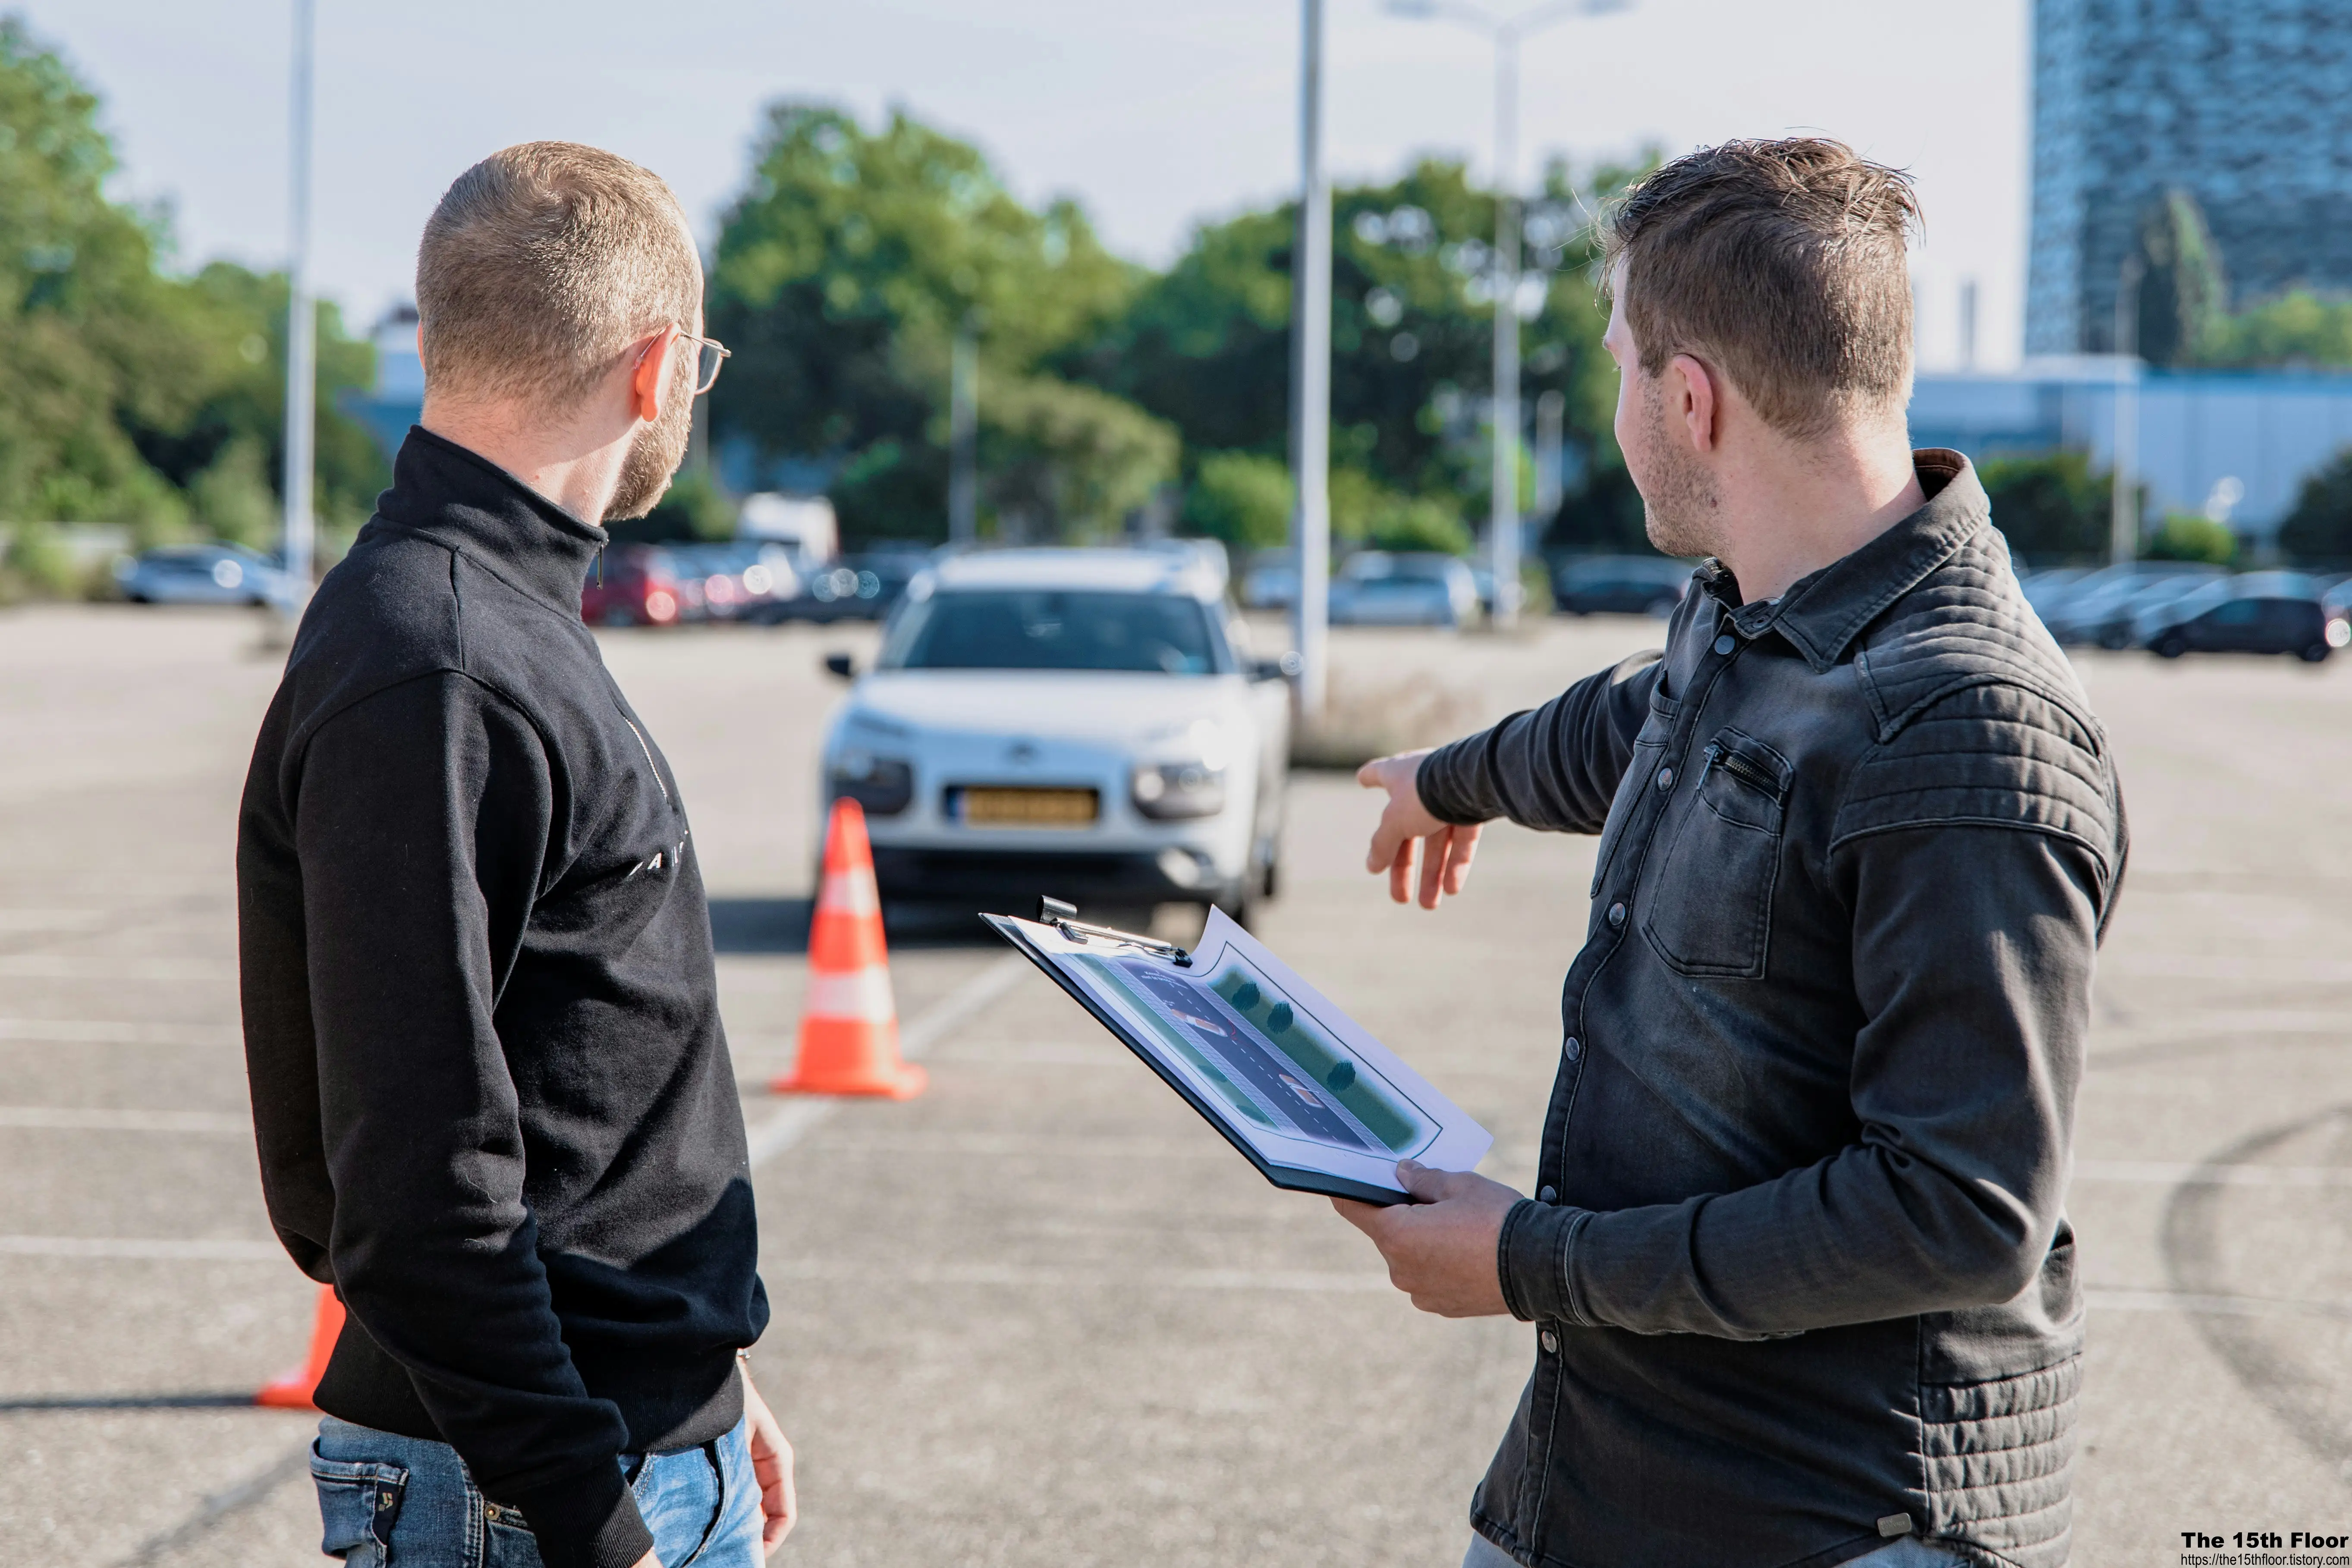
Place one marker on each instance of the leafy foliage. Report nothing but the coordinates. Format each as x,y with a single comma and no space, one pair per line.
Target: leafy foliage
2298,327
2052,508
1240,498
2319,529
2182,293
2192,536
1207,345
842,275
126,384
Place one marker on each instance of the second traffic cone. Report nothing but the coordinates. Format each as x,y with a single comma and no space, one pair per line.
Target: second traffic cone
849,1026
293,1391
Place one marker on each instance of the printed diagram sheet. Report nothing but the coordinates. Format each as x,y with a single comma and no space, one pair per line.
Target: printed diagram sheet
1296,1085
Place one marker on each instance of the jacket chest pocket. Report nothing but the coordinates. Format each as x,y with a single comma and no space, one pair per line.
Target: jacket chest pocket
1711,907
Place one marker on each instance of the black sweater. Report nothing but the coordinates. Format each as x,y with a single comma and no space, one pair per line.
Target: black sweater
492,1096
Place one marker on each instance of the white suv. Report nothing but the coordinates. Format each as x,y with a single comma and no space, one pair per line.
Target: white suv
1079,723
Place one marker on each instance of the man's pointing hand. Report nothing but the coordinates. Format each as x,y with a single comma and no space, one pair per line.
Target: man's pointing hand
1405,822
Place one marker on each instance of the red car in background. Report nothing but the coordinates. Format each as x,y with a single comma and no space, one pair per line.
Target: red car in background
637,585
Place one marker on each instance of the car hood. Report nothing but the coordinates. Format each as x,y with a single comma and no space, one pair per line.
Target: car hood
1069,704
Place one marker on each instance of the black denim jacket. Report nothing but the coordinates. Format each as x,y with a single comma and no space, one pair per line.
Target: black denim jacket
1799,1260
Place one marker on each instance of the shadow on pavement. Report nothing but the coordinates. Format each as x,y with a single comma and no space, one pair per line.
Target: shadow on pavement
760,925
131,1401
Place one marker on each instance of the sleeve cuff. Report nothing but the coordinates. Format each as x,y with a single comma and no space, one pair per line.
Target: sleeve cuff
588,1519
1533,1255
1433,781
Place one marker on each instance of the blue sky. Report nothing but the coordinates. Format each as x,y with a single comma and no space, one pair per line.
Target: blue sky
1155,116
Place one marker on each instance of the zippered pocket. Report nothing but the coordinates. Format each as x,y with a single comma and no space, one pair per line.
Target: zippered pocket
646,747
1710,908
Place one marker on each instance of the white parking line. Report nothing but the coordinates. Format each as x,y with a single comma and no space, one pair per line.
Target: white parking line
791,1121
50,966
141,1248
2176,1173
68,1117
1032,1277
114,1032
2196,1304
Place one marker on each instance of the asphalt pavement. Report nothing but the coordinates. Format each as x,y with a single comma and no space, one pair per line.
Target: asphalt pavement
1041,1315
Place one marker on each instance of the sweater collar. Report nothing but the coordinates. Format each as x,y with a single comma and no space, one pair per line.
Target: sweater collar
461,499
1821,613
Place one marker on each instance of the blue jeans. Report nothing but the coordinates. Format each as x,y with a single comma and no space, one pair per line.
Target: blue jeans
1906,1551
405,1503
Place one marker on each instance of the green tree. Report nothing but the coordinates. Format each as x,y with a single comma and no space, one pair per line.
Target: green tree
2182,293
2319,530
843,276
2298,327
2192,536
126,383
1241,498
2052,508
1207,345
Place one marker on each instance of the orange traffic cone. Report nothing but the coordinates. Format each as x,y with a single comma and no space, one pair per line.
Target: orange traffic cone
849,1026
293,1391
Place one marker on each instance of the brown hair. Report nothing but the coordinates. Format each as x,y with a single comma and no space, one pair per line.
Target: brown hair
1783,264
544,263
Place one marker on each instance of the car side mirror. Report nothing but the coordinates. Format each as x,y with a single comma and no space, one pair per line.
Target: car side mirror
841,667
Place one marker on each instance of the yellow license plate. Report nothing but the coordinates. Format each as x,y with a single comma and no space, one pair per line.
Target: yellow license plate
1030,808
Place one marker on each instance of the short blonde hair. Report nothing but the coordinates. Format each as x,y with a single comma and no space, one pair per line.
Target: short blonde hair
544,263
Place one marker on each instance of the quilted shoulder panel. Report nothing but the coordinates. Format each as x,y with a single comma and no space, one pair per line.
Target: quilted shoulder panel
1965,623
1979,717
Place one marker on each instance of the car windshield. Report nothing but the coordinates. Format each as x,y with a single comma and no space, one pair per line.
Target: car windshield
1052,628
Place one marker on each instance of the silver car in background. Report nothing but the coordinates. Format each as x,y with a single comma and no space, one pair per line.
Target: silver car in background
1417,588
202,574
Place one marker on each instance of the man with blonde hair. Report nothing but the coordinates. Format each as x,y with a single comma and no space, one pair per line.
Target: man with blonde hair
490,1086
1798,1261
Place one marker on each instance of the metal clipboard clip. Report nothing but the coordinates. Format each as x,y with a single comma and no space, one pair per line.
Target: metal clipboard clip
1064,918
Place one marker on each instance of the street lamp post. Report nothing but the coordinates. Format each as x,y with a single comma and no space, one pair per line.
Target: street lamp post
1310,377
2123,522
302,320
964,434
1507,33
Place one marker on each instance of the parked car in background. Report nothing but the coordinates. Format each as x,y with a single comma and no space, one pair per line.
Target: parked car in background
1079,723
203,574
1620,585
2101,602
1416,588
1272,581
636,585
2047,589
735,581
2115,625
865,586
2259,612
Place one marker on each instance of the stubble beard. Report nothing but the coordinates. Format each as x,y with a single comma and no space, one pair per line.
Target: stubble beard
1678,495
656,454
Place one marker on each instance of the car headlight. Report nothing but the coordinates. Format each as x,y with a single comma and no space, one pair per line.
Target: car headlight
2339,632
1167,790
885,786
1181,770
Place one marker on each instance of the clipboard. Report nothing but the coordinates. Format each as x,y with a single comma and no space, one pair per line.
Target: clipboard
1299,1088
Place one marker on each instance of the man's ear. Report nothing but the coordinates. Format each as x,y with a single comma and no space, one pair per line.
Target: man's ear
1692,386
649,383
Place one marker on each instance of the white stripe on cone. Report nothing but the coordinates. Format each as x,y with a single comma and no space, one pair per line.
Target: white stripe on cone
851,892
861,994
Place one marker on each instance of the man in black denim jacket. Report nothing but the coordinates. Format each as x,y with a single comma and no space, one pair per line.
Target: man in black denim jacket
1798,1263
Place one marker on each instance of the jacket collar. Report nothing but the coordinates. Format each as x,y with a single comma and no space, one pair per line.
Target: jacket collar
1822,613
466,502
